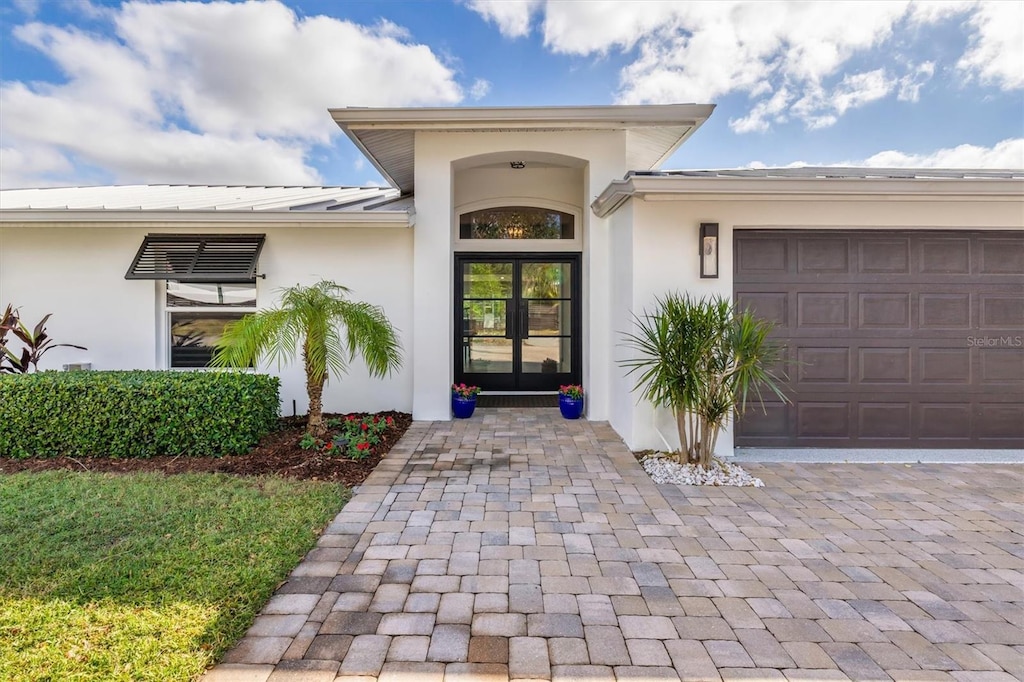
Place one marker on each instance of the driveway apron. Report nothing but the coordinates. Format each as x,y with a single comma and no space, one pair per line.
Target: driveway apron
518,545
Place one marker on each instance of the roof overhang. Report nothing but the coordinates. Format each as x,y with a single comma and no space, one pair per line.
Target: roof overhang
674,188
211,218
387,136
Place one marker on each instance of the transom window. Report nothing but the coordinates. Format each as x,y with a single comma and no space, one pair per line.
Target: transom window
516,222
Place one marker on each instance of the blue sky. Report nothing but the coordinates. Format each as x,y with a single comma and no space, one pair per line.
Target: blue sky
211,93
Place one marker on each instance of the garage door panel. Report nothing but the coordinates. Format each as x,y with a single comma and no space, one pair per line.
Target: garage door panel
912,339
945,255
945,366
884,421
769,305
1001,256
830,310
823,256
884,366
770,255
884,256
944,311
1001,366
817,365
884,310
944,421
771,423
823,420
1001,421
1002,311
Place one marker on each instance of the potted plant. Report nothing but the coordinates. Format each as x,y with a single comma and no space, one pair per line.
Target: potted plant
464,400
570,401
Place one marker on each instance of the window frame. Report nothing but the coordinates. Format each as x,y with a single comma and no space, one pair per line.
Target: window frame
167,311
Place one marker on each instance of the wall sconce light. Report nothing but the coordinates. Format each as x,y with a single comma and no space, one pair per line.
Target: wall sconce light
709,250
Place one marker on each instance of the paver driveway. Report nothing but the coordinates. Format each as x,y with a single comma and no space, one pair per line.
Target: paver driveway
518,545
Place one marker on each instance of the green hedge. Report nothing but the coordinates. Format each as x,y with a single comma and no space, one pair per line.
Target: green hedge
135,414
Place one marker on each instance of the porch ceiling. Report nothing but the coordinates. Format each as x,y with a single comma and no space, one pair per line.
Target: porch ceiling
387,136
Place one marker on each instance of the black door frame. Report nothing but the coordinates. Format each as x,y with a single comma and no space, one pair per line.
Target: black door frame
517,380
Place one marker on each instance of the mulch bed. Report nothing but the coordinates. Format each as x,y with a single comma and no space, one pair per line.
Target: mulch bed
278,454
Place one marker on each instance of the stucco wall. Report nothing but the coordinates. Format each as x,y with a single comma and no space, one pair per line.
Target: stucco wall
665,236
493,185
77,273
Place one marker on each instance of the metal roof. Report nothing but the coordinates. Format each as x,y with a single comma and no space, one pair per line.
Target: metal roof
842,172
387,136
198,198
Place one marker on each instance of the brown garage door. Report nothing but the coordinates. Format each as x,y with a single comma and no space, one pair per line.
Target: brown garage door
906,339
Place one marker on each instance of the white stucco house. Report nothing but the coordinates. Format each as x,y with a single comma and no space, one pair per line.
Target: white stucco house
515,244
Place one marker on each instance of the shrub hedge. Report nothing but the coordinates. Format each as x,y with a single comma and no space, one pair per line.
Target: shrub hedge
135,414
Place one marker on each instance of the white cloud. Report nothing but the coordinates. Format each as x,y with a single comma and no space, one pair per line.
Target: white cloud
512,17
1005,155
820,109
27,7
765,111
219,92
480,88
1008,154
790,57
911,84
996,54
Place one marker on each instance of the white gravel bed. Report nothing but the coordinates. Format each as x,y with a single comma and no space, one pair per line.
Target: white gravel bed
664,470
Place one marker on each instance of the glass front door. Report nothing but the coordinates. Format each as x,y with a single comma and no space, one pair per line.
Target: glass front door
517,321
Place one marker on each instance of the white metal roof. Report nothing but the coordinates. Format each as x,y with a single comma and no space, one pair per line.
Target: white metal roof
387,136
842,172
195,198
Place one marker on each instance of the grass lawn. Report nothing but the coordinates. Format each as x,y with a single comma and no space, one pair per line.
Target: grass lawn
143,576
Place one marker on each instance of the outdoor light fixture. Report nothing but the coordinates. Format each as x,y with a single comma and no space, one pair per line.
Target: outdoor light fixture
708,250
517,164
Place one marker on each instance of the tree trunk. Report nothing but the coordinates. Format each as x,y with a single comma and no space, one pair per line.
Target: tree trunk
315,390
315,425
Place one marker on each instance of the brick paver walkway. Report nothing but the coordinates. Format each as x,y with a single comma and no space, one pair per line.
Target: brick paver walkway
517,545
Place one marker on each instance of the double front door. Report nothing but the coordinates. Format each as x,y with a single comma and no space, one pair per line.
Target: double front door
517,321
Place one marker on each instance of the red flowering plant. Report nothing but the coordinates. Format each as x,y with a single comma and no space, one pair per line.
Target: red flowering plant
354,436
574,391
464,391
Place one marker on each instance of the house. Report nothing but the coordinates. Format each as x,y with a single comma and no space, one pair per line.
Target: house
515,245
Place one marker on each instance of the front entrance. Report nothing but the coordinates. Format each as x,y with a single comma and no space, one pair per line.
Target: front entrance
517,321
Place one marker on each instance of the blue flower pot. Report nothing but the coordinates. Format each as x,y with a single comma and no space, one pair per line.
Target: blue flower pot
463,408
571,408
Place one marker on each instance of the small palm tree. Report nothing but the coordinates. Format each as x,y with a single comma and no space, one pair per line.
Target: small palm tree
703,360
313,316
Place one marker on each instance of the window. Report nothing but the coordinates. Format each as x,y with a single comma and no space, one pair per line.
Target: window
516,222
198,312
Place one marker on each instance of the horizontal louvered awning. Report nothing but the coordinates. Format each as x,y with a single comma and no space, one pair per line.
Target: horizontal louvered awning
198,257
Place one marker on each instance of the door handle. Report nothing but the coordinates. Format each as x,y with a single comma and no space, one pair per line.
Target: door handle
510,320
524,320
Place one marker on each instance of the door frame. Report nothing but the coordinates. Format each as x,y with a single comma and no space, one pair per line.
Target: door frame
575,374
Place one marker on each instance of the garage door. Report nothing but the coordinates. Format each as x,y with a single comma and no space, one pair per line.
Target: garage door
893,339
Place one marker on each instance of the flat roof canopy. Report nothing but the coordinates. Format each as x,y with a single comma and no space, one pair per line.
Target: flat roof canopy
386,136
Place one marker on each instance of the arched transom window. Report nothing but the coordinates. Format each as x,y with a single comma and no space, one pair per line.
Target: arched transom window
516,222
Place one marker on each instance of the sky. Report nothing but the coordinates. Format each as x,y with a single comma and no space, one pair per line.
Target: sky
237,92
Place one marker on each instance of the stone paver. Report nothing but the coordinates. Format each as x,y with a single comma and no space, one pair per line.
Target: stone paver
517,545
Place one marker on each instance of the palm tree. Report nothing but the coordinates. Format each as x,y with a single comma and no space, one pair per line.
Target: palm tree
702,359
331,330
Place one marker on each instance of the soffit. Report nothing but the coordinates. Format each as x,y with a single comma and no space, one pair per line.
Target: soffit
387,136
